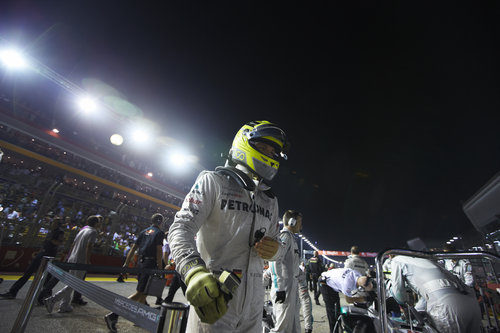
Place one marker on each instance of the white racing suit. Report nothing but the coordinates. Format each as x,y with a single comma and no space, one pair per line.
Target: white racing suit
305,301
450,304
304,297
461,268
357,263
284,277
226,218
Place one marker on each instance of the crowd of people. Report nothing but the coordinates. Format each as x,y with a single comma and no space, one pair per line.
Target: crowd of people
40,147
25,204
28,113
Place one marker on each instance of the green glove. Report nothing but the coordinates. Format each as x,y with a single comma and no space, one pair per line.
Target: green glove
213,311
204,294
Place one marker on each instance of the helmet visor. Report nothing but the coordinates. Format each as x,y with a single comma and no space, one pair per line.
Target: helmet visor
272,135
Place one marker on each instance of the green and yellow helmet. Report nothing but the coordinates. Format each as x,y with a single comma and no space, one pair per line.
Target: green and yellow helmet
243,150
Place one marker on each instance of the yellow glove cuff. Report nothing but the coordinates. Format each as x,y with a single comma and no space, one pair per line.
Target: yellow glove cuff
195,271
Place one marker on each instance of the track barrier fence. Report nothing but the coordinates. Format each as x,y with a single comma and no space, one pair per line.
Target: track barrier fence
169,318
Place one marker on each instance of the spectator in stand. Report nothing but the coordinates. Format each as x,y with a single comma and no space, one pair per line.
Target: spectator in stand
12,213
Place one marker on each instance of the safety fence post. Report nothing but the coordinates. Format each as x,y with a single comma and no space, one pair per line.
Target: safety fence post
173,318
27,306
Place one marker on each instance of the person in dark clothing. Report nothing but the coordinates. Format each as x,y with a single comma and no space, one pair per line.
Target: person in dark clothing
308,278
174,286
332,304
165,261
149,247
316,267
176,280
50,246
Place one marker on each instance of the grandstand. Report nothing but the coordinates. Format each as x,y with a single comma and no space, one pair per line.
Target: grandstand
43,175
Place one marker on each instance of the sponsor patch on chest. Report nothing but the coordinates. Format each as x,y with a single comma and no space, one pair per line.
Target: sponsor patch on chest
230,204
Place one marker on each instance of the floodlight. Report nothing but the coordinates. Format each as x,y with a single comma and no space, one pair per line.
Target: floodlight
178,159
87,104
150,174
55,130
116,139
192,159
448,242
455,237
13,59
140,136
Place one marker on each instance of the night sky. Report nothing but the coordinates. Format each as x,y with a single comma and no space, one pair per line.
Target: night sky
392,110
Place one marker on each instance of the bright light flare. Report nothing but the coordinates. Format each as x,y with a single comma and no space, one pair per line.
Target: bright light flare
13,59
178,159
140,136
55,130
87,104
116,139
150,174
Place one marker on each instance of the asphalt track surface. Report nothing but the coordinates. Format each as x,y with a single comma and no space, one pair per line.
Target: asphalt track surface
89,318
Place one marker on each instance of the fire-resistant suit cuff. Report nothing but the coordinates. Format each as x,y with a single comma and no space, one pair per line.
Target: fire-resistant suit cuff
190,266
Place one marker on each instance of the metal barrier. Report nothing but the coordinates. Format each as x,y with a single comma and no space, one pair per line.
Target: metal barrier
176,315
173,315
425,255
27,306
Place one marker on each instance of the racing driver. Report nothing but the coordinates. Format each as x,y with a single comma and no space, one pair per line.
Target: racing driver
234,216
